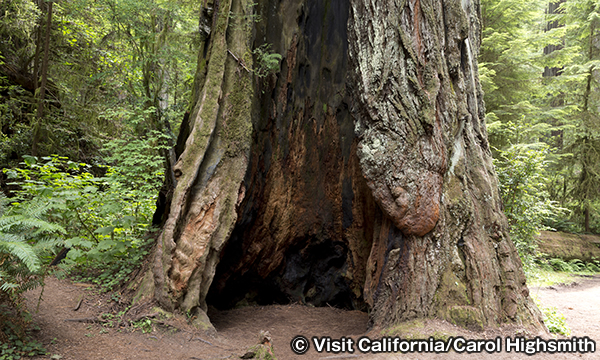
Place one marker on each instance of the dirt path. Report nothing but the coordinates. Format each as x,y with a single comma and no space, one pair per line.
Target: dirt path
238,329
579,303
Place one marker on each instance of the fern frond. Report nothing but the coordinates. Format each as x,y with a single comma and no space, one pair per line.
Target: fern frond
20,223
37,208
3,203
7,286
48,243
15,246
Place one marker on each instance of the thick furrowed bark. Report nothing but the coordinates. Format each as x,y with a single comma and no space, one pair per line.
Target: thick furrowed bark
443,247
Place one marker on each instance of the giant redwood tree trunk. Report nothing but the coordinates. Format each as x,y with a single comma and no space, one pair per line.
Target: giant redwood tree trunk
357,175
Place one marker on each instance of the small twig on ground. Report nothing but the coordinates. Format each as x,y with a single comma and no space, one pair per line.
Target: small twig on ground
78,303
201,339
87,320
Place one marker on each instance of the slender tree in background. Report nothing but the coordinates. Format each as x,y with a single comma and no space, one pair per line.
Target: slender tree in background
584,18
42,90
509,64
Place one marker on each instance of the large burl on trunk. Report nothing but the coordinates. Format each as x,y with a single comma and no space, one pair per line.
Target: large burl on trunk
358,174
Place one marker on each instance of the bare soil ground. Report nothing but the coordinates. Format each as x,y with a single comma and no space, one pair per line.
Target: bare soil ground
239,329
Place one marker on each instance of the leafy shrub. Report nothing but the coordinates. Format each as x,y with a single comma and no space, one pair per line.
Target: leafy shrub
555,321
107,217
564,225
102,214
526,203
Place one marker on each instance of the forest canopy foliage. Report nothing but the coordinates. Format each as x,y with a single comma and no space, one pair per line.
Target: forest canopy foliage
539,70
115,68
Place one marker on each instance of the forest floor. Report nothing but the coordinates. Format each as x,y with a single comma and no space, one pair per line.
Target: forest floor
238,329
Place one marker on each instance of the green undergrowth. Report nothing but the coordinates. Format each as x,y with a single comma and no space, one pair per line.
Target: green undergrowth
573,266
15,326
104,220
98,217
117,320
548,272
555,320
24,237
16,348
102,213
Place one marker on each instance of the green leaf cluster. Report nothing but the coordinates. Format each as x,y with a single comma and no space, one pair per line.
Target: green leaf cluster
554,320
16,348
267,61
104,212
521,172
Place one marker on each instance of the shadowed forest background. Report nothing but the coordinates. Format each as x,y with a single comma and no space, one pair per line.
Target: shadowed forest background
94,93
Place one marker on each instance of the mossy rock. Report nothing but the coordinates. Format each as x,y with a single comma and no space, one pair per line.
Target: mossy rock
569,246
405,329
162,313
201,322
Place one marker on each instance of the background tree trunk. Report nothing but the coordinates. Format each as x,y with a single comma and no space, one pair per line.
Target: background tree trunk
37,128
358,176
